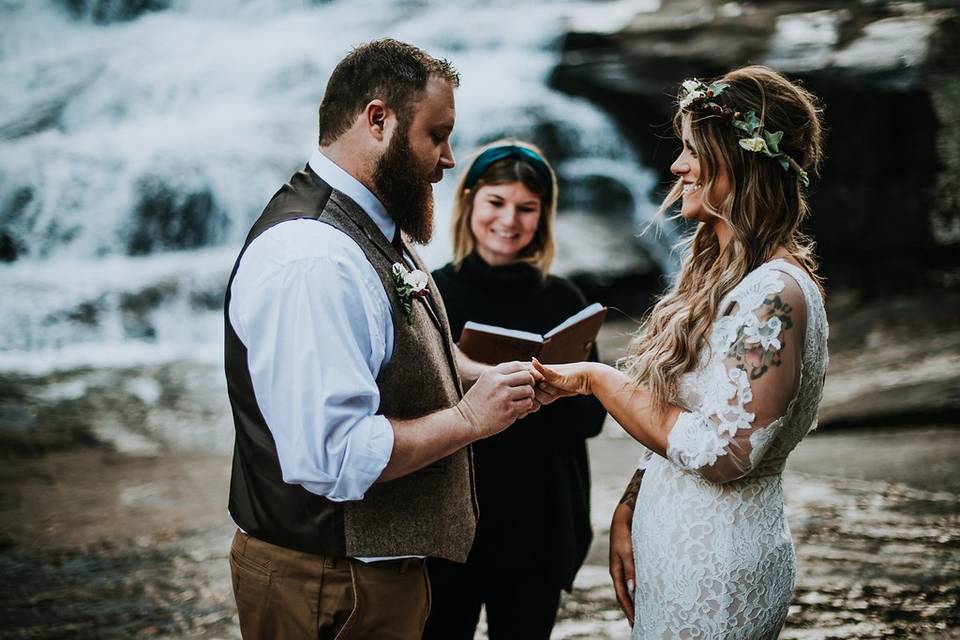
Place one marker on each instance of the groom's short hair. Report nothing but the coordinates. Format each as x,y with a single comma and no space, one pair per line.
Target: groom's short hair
393,71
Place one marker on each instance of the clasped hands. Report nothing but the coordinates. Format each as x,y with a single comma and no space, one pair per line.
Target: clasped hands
509,391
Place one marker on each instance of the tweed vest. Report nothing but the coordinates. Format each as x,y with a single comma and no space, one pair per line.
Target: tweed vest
430,512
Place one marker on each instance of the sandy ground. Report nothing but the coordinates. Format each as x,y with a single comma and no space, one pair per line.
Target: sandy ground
113,491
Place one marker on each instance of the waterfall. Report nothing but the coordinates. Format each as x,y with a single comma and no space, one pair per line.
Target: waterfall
142,137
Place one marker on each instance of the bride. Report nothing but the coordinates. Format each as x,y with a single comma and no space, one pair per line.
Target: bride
725,375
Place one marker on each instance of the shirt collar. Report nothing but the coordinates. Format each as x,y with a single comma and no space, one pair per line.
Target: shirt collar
336,177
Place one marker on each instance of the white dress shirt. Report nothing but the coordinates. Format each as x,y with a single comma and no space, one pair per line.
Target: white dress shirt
315,319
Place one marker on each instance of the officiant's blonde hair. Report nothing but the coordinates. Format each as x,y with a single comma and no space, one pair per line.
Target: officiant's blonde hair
764,210
540,252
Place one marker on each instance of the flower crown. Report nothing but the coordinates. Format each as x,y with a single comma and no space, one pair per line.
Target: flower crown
697,96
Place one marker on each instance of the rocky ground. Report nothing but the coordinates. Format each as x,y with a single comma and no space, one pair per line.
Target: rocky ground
113,486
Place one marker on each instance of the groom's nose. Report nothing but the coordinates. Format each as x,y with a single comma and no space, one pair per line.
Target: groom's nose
447,160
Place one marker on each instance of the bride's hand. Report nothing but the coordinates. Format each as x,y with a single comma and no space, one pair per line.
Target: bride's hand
621,558
562,380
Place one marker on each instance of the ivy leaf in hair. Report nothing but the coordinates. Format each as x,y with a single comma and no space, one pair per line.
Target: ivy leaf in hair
773,140
716,88
749,123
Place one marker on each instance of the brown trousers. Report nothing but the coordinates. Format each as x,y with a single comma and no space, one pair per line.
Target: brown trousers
282,593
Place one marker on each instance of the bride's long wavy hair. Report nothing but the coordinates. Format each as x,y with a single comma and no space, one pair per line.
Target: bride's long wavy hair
764,210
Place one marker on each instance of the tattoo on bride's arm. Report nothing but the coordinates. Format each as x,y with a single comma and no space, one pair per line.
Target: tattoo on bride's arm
633,488
758,346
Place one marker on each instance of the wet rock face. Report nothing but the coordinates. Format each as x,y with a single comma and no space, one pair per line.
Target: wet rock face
168,218
105,11
16,225
887,210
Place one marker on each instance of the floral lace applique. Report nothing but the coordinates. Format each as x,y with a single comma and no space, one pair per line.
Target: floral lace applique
728,388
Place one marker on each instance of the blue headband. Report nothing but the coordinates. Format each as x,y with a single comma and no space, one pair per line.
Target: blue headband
495,154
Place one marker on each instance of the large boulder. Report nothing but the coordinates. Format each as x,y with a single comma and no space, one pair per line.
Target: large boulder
887,211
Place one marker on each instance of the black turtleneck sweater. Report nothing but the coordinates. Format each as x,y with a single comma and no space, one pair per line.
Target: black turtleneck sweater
533,480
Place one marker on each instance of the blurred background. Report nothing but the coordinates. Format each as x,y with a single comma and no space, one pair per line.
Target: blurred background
141,138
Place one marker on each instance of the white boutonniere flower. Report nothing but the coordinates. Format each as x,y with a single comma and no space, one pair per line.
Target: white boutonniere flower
409,285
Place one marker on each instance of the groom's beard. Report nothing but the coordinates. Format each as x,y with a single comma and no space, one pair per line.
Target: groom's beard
404,191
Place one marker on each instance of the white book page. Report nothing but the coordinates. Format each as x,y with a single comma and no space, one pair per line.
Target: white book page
503,331
574,319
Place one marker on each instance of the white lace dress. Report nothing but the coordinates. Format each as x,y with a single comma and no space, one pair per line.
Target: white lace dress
713,552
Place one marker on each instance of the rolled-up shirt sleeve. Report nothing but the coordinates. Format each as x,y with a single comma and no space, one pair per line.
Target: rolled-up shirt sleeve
315,328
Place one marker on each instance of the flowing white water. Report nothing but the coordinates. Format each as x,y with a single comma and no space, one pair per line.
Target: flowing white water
136,154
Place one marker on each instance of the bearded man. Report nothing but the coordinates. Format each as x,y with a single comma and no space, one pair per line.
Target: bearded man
352,459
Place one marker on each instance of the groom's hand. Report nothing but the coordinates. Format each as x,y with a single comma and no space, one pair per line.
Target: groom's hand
500,396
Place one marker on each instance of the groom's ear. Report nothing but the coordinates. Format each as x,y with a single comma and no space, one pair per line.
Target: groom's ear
375,116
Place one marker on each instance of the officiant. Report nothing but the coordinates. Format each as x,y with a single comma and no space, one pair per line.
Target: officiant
532,482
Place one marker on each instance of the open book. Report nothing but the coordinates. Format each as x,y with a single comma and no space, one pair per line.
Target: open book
569,341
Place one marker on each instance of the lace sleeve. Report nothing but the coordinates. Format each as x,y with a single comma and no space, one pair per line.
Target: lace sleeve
754,374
